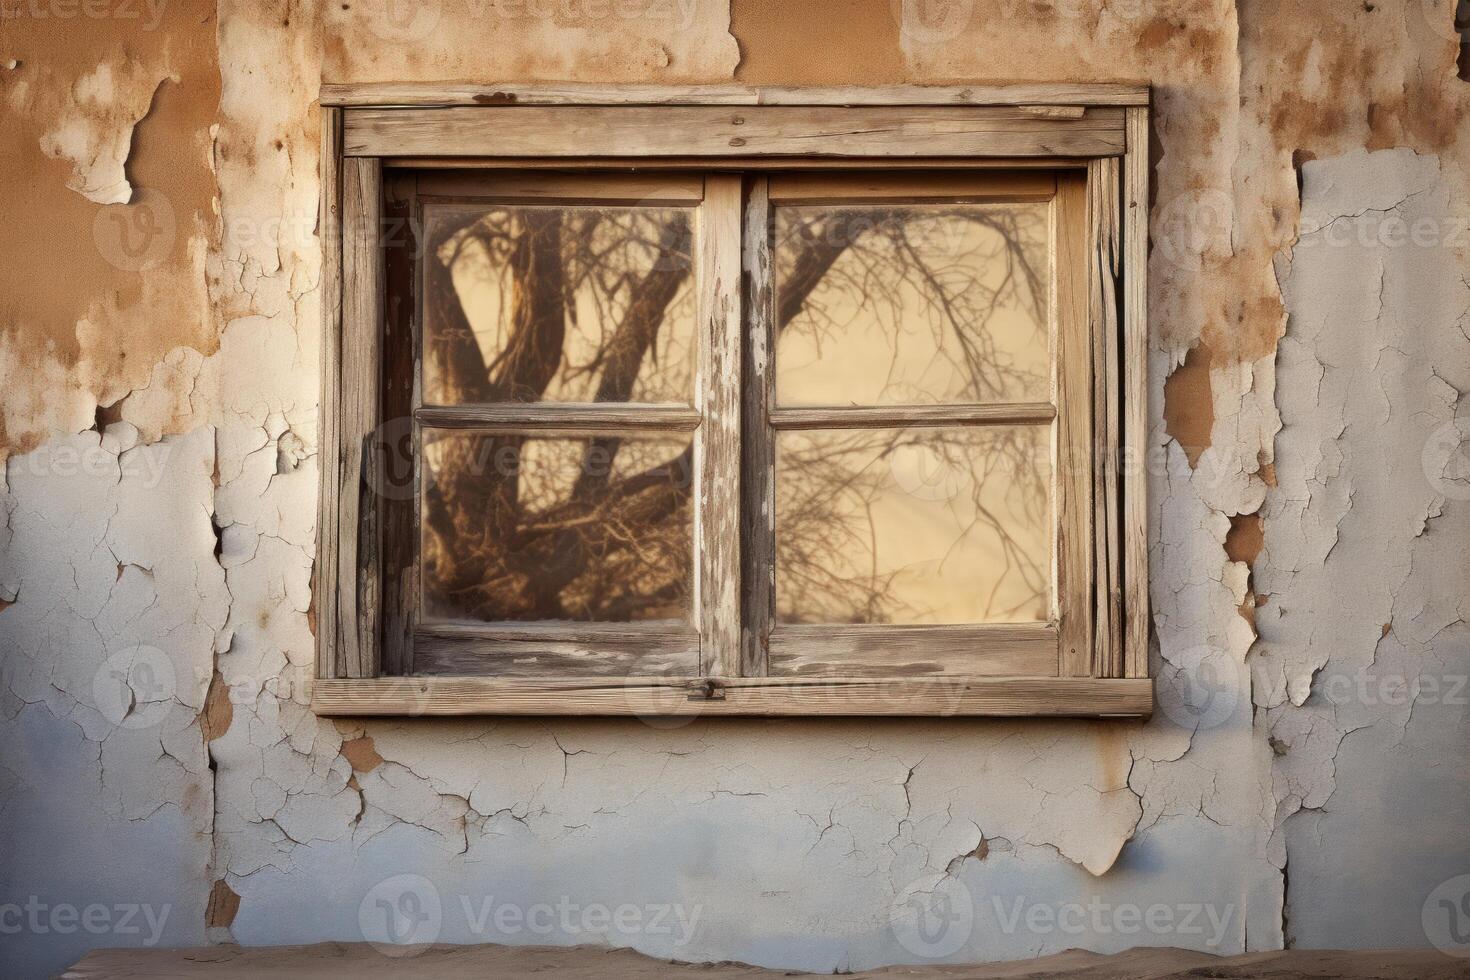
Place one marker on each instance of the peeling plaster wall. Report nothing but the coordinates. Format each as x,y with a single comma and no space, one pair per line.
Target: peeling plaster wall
158,336
1365,646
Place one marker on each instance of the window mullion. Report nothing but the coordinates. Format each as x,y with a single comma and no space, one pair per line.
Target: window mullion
717,463
758,475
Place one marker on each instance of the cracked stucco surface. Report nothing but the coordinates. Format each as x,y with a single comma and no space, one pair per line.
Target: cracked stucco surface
189,529
1364,637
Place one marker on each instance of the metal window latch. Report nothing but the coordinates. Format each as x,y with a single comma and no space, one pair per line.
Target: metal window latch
708,690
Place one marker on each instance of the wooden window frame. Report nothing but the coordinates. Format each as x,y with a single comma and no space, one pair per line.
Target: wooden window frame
1096,136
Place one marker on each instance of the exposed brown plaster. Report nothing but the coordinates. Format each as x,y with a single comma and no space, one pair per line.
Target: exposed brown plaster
1245,538
1243,543
54,275
829,43
311,614
106,415
219,711
488,42
1189,410
362,754
1366,76
223,906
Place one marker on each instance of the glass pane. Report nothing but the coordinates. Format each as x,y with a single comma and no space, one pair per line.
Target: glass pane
524,528
912,303
914,526
567,304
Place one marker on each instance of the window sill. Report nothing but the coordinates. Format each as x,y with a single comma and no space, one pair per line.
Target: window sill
1080,697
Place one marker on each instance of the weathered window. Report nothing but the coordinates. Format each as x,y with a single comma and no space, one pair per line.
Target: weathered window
733,410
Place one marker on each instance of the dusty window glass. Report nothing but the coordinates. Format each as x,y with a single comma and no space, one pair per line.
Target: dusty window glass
912,304
522,528
892,305
914,525
558,303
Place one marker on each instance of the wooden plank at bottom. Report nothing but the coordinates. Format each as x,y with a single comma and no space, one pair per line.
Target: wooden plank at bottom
885,650
569,650
1074,697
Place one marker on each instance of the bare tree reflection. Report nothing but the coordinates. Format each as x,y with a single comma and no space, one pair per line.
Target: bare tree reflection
943,278
596,304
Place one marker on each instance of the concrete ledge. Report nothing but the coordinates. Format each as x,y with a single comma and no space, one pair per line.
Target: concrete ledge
364,962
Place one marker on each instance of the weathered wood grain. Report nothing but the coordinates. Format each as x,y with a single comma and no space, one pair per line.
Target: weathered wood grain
948,187
557,650
565,418
1103,199
1135,395
758,445
358,513
639,131
1074,428
1012,413
774,164
717,449
430,94
329,232
648,190
1076,697
842,650
394,445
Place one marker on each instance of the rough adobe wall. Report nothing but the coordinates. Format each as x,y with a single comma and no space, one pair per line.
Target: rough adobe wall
158,331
